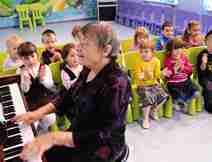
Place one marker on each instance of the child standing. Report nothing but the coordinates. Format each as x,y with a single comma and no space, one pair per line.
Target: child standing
204,67
177,72
70,69
51,53
167,35
36,82
147,75
192,36
13,61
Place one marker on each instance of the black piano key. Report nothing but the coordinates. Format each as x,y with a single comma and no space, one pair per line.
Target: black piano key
9,103
13,141
13,151
4,89
9,116
9,108
11,124
16,159
6,98
13,131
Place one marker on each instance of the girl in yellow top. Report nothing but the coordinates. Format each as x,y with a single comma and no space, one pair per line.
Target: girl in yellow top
147,75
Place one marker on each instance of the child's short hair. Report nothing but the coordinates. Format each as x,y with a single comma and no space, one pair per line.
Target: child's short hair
27,49
208,34
48,32
147,44
173,44
166,24
140,31
66,49
13,38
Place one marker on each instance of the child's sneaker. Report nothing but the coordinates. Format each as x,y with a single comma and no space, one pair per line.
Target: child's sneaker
176,107
145,124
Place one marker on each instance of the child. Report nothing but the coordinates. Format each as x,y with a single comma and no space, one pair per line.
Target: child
141,34
177,72
167,35
70,69
36,82
192,36
147,75
204,68
13,61
51,54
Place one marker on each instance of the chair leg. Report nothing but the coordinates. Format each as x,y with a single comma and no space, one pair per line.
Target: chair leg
192,107
21,26
168,109
31,25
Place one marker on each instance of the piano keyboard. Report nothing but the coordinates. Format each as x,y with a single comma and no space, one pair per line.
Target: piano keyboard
18,134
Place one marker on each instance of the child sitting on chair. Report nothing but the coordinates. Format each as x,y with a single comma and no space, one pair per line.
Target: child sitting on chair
192,36
13,61
147,75
36,82
141,34
70,69
167,35
177,71
204,68
51,53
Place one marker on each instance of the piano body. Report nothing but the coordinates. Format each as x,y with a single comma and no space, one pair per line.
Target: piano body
12,103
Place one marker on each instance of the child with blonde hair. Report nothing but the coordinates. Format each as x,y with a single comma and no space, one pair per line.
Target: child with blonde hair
147,76
13,60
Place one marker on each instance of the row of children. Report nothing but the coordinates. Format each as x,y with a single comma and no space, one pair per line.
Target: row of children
177,72
192,36
36,78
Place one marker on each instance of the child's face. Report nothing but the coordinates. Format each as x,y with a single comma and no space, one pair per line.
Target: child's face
195,30
30,61
71,59
176,53
12,49
49,42
209,42
141,39
146,54
168,31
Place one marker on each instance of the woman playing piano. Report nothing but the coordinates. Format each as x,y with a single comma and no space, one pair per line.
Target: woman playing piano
96,106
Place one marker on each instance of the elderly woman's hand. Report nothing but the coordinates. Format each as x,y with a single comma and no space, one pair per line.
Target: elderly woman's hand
37,147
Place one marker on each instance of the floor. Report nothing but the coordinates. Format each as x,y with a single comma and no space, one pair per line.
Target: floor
180,139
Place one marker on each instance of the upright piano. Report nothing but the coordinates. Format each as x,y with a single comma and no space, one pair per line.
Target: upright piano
12,103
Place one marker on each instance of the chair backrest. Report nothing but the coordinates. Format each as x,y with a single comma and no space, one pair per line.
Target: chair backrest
55,69
161,55
23,11
126,44
3,57
37,9
193,54
8,72
131,58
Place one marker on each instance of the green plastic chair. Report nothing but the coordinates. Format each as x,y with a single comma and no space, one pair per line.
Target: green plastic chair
126,45
37,16
3,57
55,69
24,16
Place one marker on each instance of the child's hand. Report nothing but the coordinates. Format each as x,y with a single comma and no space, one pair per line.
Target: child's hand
25,76
42,73
166,72
141,77
56,57
205,59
